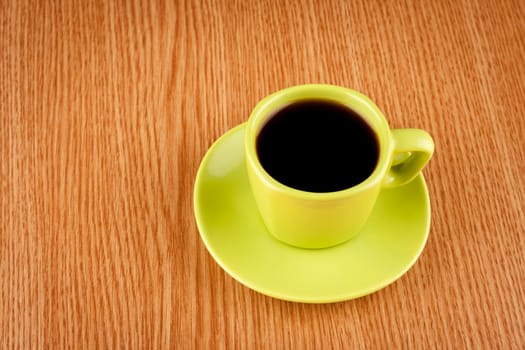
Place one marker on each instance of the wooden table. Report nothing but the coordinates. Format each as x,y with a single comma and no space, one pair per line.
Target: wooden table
107,108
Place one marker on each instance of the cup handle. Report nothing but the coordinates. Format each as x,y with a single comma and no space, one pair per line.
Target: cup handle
413,148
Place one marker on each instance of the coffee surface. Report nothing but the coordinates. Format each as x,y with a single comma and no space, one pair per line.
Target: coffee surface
318,146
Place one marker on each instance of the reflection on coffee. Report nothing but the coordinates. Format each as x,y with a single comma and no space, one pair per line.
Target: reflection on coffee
318,146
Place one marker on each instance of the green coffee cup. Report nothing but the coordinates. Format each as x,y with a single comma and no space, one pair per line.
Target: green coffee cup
319,220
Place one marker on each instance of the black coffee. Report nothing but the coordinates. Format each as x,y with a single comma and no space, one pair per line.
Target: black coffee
318,146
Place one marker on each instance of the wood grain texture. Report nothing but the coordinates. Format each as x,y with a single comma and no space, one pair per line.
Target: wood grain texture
107,107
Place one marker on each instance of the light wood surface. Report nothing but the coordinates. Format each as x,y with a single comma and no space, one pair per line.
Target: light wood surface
107,108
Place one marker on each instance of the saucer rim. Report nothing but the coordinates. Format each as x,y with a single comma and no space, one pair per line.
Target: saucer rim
314,299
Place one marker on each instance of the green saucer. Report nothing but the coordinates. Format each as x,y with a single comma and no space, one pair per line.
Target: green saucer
235,236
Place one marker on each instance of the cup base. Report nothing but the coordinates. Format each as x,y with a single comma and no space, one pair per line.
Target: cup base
232,231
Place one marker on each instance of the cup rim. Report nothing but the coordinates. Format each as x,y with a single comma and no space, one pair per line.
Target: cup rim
360,103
